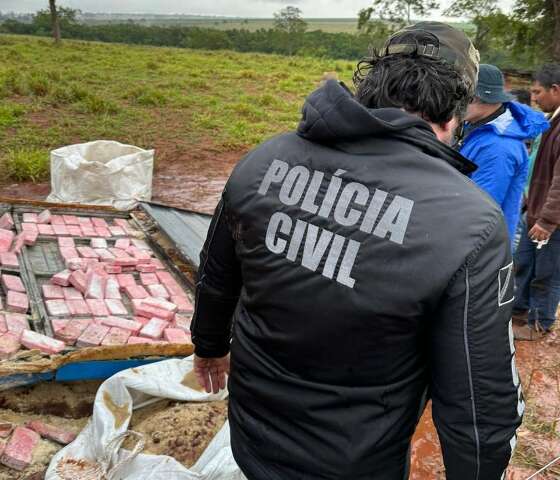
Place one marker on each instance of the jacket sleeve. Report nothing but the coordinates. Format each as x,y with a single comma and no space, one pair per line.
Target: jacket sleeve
549,217
476,393
217,290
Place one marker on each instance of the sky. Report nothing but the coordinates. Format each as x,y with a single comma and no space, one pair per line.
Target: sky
238,8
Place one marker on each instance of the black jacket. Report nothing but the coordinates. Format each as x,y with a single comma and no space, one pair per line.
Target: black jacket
362,270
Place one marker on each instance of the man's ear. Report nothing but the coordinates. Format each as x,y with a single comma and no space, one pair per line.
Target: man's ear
555,89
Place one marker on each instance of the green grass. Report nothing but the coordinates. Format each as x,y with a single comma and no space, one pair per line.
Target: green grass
171,99
27,164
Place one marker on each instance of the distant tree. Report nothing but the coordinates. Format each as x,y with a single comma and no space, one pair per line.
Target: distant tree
43,21
398,12
289,21
480,12
54,21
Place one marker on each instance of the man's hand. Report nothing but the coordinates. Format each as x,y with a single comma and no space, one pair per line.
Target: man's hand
211,372
538,233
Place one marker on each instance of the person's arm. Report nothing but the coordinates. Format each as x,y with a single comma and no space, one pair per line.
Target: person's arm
476,394
217,293
549,218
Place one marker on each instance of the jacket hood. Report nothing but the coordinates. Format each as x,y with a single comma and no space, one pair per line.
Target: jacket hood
518,121
332,115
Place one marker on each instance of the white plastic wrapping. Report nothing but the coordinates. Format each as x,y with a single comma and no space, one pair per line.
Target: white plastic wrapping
101,173
134,388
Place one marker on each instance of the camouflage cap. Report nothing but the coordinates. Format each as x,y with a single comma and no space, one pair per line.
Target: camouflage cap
438,40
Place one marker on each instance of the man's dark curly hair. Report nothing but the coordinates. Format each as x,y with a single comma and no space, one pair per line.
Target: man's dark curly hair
421,85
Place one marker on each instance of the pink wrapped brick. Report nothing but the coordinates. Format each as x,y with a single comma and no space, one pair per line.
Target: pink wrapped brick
121,222
99,222
52,292
9,344
146,268
60,229
73,329
12,282
115,307
126,262
150,311
57,220
117,231
85,221
95,286
159,303
183,322
78,308
88,231
184,305
113,269
37,341
61,278
148,279
6,239
116,336
141,255
93,335
17,302
69,252
112,289
176,335
122,243
131,325
9,260
142,320
70,219
76,263
19,242
70,293
59,324
154,328
16,323
141,244
136,291
98,243
45,229
29,227
126,280
74,230
67,242
57,308
137,340
3,324
167,279
30,217
58,435
103,232
158,291
118,253
104,254
78,280
7,222
87,252
44,217
30,238
18,453
158,264
98,307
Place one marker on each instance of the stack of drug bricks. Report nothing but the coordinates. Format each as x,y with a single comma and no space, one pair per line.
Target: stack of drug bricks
113,291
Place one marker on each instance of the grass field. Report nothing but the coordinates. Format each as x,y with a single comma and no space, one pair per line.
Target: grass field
173,99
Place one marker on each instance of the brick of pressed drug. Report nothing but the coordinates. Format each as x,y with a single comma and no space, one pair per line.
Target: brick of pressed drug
117,231
45,229
113,269
146,268
98,307
158,290
70,219
6,429
116,336
88,231
126,280
9,260
73,329
57,308
154,328
142,256
150,311
12,282
166,278
98,243
141,244
52,292
69,252
66,242
183,322
148,279
93,335
99,222
121,222
61,278
125,323
95,286
158,264
115,307
78,280
75,263
104,254
58,324
70,293
57,220
126,262
133,340
140,319
9,344
17,302
6,222
6,239
112,289
16,322
30,217
122,243
38,341
50,432
118,252
18,453
87,252
136,291
176,335
103,232
29,227
160,303
3,324
44,217
18,243
74,230
60,229
183,303
78,308
30,238
85,221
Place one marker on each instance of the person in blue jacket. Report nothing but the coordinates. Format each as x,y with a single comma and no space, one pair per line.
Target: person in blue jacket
495,136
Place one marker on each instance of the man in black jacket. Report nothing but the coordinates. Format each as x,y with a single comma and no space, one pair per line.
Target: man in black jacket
355,271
